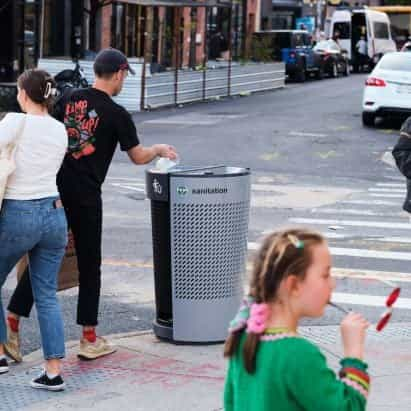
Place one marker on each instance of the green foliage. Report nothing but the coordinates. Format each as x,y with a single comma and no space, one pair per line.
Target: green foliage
261,49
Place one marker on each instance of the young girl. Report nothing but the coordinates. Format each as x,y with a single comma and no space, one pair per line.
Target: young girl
32,218
273,368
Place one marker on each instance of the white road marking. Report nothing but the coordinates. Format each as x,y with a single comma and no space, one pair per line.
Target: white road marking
383,276
406,240
129,187
352,223
302,134
348,211
356,252
386,195
365,253
399,185
395,178
386,190
326,234
371,202
368,300
126,179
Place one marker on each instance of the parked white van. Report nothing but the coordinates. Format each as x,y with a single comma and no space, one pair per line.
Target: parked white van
349,24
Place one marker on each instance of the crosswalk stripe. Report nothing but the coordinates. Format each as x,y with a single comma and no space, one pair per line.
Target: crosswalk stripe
350,211
366,253
387,195
357,252
395,178
384,276
400,185
371,202
406,240
386,190
353,223
326,234
368,300
134,179
129,187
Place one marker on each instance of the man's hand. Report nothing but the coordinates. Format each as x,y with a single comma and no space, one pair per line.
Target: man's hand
164,150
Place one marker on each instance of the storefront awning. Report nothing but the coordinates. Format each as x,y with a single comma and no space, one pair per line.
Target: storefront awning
180,3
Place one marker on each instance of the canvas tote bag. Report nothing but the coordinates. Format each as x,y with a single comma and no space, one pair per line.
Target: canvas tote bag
7,160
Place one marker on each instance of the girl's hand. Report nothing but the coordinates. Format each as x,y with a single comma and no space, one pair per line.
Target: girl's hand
353,328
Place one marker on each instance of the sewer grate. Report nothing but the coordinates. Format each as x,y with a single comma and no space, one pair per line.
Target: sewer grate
15,392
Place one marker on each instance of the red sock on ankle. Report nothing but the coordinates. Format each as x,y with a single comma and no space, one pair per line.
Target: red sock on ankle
90,335
13,323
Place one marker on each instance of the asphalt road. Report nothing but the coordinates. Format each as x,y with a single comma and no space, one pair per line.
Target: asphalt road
312,164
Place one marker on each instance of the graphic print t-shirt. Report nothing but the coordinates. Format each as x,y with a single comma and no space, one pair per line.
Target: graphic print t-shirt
95,124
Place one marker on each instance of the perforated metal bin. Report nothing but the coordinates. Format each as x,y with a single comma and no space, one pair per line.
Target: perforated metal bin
200,225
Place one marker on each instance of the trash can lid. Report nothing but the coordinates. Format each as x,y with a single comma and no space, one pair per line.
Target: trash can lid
209,171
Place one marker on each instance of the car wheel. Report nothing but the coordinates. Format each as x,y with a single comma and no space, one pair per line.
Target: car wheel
368,119
320,73
334,70
300,76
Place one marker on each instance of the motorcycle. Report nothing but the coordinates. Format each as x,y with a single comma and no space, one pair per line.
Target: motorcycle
68,79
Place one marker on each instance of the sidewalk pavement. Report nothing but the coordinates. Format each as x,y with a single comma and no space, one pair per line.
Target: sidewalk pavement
147,374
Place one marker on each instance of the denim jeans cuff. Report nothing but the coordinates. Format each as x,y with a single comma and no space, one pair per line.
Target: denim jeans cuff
55,356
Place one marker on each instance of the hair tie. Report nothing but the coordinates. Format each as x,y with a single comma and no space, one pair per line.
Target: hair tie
259,314
295,241
240,320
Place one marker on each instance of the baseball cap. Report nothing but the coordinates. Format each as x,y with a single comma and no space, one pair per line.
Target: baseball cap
110,61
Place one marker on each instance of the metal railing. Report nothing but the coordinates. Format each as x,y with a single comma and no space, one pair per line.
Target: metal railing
161,89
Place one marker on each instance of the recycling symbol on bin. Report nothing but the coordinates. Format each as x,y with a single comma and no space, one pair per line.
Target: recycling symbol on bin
182,190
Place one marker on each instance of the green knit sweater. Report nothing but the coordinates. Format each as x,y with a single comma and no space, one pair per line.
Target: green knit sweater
292,375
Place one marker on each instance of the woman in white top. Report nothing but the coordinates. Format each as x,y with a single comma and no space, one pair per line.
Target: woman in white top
32,219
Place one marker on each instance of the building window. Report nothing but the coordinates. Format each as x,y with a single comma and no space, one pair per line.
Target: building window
127,29
57,28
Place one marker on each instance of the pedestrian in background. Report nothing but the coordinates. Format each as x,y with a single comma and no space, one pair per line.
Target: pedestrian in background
32,219
362,52
271,366
402,156
95,125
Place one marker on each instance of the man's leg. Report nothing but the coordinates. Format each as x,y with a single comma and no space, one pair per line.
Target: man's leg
21,301
86,224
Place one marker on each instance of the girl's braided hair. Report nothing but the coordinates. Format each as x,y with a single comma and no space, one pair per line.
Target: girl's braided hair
281,254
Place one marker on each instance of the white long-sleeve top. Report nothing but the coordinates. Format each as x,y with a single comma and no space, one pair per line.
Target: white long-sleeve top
40,152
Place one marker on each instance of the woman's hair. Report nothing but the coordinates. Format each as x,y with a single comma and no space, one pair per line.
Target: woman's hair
39,86
281,254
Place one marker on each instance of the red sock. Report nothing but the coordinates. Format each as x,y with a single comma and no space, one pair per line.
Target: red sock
13,323
90,335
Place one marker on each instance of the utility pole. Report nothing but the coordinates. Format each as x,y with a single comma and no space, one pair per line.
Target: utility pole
319,14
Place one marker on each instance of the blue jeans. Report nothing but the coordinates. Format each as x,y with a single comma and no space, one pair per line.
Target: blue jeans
37,228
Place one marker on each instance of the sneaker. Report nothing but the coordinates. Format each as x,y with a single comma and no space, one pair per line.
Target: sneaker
97,349
12,346
4,366
43,382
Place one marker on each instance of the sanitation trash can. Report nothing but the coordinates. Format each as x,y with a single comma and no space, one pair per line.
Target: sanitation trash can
199,225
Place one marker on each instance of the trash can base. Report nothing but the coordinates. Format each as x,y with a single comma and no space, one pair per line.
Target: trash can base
162,331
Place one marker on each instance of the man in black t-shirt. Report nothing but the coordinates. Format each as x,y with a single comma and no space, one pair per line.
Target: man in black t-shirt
95,125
